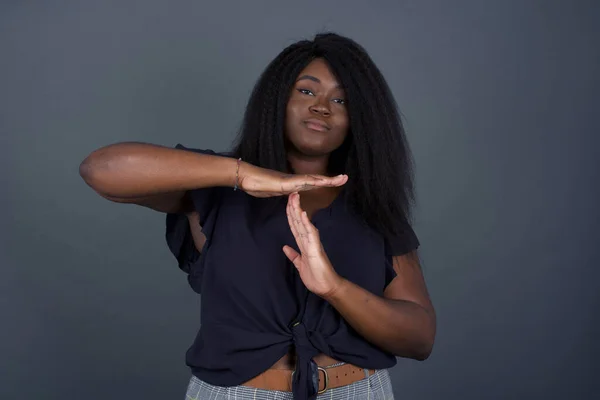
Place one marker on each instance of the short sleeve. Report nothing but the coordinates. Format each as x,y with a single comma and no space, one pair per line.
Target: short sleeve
179,235
403,243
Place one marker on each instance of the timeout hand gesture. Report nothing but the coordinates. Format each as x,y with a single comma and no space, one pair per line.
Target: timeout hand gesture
312,262
263,182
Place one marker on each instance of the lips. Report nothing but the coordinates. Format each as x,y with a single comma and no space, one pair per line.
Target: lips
316,125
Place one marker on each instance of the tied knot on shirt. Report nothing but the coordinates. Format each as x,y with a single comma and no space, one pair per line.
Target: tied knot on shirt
308,343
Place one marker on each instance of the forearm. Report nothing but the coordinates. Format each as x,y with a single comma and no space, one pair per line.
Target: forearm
131,170
400,327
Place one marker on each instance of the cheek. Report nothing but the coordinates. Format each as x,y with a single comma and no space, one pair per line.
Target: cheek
289,116
291,111
344,124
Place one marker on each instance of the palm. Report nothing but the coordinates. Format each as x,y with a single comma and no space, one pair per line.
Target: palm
312,262
262,182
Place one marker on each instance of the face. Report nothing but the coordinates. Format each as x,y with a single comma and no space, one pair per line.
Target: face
316,116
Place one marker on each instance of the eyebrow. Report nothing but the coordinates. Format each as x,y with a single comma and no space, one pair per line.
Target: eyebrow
314,79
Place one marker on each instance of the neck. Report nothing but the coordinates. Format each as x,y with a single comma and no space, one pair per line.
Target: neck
303,164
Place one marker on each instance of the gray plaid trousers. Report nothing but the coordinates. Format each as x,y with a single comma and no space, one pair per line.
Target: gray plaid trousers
376,387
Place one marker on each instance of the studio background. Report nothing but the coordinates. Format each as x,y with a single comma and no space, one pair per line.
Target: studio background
499,100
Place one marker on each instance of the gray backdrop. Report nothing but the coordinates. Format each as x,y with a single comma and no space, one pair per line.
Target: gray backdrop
499,101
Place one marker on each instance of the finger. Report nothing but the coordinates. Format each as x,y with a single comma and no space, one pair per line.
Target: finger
298,228
339,180
298,217
309,182
314,181
312,233
292,255
294,222
290,216
326,181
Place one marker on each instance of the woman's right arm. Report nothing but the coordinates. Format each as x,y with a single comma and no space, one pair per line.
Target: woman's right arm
159,177
154,176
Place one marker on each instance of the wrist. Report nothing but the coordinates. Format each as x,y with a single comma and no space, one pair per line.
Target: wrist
338,288
233,172
243,171
236,178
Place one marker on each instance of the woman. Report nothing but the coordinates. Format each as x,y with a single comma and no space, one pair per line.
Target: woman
306,260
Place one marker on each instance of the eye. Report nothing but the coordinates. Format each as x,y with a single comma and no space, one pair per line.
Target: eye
306,91
339,101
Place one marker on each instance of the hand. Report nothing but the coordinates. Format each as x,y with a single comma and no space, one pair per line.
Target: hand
193,216
198,236
263,182
312,264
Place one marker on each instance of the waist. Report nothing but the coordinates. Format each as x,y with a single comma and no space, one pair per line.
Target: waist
330,375
288,361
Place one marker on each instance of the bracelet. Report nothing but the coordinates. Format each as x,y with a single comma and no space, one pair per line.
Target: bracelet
237,174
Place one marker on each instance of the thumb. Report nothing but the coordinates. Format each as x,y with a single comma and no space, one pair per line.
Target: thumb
291,254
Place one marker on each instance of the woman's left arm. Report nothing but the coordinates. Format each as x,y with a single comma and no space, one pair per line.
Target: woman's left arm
402,322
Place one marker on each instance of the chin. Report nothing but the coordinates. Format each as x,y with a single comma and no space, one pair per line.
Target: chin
313,151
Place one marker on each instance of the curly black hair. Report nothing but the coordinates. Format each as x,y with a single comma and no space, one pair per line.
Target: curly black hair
375,155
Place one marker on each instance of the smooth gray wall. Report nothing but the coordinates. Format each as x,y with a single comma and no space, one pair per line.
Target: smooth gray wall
500,101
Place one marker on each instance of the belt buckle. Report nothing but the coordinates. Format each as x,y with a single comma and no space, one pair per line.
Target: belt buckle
326,380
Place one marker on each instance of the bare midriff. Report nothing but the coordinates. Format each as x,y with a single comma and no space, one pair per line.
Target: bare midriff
288,361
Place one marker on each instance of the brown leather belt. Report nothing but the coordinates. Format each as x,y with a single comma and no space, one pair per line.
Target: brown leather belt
329,378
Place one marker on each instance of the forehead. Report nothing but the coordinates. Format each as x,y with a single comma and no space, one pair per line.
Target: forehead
318,68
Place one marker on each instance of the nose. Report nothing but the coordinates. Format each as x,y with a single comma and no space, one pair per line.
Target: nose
320,107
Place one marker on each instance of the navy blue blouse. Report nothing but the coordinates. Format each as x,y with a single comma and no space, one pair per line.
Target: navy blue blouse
254,305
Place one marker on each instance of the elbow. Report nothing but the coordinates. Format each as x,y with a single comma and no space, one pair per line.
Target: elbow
95,172
424,345
423,351
108,170
100,162
90,171
421,345
86,169
418,351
